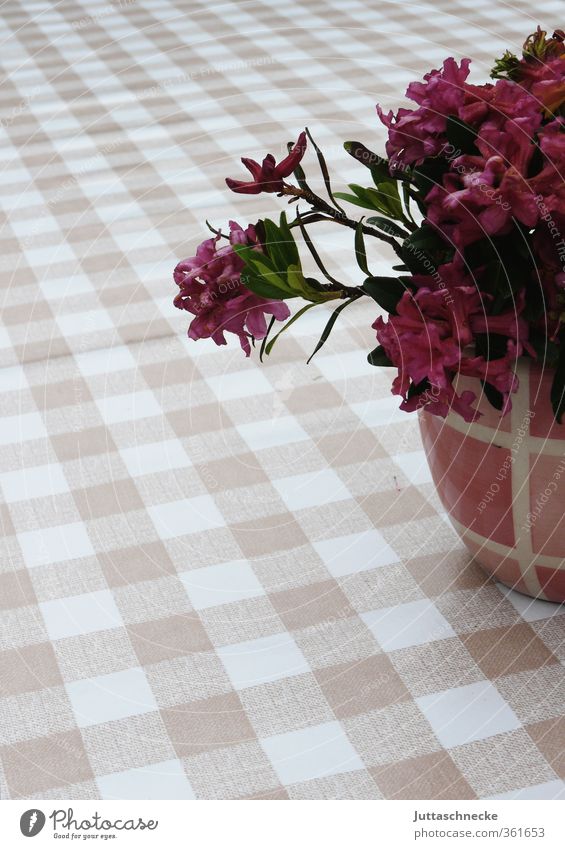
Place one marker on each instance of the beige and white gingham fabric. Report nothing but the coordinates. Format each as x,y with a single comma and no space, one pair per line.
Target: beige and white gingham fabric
220,580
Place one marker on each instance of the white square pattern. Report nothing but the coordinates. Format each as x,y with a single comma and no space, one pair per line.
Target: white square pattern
311,490
12,379
280,430
151,457
344,366
116,358
411,624
165,780
128,407
221,584
260,661
110,697
530,609
311,753
468,713
80,614
187,516
415,467
239,384
54,545
22,428
386,412
355,553
33,482
84,322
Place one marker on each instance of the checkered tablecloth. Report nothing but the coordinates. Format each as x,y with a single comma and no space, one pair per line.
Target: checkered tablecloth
220,580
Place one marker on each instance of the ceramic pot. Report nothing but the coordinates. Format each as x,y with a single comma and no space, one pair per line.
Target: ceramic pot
502,483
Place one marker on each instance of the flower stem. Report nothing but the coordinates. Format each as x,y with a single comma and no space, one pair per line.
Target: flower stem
320,205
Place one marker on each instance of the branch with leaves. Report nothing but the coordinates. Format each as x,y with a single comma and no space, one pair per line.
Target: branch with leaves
463,199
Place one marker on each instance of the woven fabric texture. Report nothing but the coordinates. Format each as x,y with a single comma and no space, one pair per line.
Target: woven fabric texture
220,580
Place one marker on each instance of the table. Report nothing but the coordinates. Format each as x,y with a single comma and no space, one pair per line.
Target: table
221,580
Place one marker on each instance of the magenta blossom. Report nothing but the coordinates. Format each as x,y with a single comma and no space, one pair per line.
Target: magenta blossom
498,373
211,289
268,176
428,341
419,341
480,198
542,68
415,134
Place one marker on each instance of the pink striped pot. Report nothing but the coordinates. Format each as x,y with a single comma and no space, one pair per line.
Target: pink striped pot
502,482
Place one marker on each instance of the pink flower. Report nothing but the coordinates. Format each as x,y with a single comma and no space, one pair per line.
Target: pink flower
505,117
542,69
442,402
415,134
499,373
549,182
419,341
427,341
548,86
480,199
211,289
511,324
268,176
508,127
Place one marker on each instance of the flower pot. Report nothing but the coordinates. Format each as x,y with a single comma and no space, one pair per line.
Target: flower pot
502,483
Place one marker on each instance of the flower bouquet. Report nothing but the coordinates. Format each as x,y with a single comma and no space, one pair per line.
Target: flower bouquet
471,199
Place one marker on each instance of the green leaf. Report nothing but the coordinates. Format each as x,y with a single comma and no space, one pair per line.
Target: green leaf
308,287
380,172
372,198
288,239
424,250
277,249
387,291
314,252
507,67
558,386
409,220
324,170
493,395
258,275
351,199
266,339
430,173
390,198
546,350
277,274
506,266
296,280
418,388
329,326
384,198
388,227
378,165
491,346
256,283
360,252
378,357
263,266
461,136
300,312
